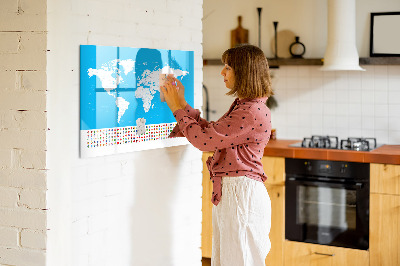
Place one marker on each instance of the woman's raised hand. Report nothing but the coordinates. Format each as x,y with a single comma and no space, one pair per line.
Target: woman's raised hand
181,92
174,94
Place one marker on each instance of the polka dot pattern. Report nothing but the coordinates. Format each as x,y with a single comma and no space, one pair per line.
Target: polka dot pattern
238,139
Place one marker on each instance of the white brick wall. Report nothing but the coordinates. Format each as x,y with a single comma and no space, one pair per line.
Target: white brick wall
140,208
23,132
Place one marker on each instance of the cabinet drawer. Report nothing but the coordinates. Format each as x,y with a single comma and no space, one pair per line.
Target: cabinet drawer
297,254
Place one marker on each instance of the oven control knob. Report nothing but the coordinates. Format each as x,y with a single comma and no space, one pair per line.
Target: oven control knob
308,166
343,168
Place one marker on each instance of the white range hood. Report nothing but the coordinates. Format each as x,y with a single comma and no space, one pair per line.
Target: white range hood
341,51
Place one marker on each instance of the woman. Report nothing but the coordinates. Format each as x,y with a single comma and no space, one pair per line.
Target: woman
242,211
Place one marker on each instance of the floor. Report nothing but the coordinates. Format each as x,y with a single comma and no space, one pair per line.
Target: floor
206,261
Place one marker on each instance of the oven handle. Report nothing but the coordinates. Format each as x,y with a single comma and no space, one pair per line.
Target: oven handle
357,185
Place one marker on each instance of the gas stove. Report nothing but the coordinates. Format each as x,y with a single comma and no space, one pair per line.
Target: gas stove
332,142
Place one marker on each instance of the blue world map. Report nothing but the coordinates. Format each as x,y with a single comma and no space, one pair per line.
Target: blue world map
120,85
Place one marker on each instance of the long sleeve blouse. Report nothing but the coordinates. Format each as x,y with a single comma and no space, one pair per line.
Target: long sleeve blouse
238,139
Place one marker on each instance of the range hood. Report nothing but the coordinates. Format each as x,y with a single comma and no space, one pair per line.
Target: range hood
341,51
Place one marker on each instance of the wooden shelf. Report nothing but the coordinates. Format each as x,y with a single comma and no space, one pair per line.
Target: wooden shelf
274,63
380,61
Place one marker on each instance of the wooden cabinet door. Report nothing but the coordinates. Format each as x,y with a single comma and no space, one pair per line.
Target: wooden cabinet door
277,233
384,237
206,225
274,168
304,254
385,178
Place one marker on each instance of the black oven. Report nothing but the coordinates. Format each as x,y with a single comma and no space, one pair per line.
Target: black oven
327,202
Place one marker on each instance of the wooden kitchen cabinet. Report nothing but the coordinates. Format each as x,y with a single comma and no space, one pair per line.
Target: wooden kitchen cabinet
385,215
277,233
206,225
274,168
385,178
305,254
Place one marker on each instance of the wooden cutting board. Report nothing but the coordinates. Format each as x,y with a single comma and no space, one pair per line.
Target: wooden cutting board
239,35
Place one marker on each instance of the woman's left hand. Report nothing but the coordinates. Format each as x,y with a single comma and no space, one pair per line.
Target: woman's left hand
170,90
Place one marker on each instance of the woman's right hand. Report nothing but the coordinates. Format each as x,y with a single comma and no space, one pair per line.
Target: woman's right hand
181,91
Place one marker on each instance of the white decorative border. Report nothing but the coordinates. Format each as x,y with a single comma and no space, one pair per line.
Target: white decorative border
106,141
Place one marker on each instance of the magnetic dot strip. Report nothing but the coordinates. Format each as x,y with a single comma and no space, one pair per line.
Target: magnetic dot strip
126,135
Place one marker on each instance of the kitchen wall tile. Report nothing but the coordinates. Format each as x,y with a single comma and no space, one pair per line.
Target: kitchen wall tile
380,71
381,97
367,82
329,93
315,72
304,82
394,97
342,133
394,83
317,107
317,95
355,122
328,74
317,131
367,96
355,96
342,109
342,96
293,120
355,109
381,110
291,71
394,123
329,122
367,133
292,82
380,84
328,101
394,110
317,120
304,72
367,123
381,136
316,82
304,109
393,71
342,80
381,122
355,132
367,110
394,137
329,109
342,122
354,80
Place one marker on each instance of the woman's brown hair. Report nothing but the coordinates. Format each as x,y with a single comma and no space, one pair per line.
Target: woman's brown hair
250,66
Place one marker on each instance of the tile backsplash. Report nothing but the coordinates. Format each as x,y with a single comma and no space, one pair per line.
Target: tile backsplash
339,103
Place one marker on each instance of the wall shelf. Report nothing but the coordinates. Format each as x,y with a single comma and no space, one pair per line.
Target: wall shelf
380,61
274,63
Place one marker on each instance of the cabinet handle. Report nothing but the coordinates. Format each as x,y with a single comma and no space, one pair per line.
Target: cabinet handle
324,254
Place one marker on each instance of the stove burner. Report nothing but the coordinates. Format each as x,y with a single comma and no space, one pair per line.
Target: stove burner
358,144
332,142
327,142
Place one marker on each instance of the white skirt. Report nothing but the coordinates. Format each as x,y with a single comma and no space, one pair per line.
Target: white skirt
241,223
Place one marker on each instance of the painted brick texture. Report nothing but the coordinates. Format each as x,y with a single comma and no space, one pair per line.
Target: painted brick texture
139,208
23,125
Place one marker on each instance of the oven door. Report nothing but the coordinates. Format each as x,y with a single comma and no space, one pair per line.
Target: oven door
327,213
